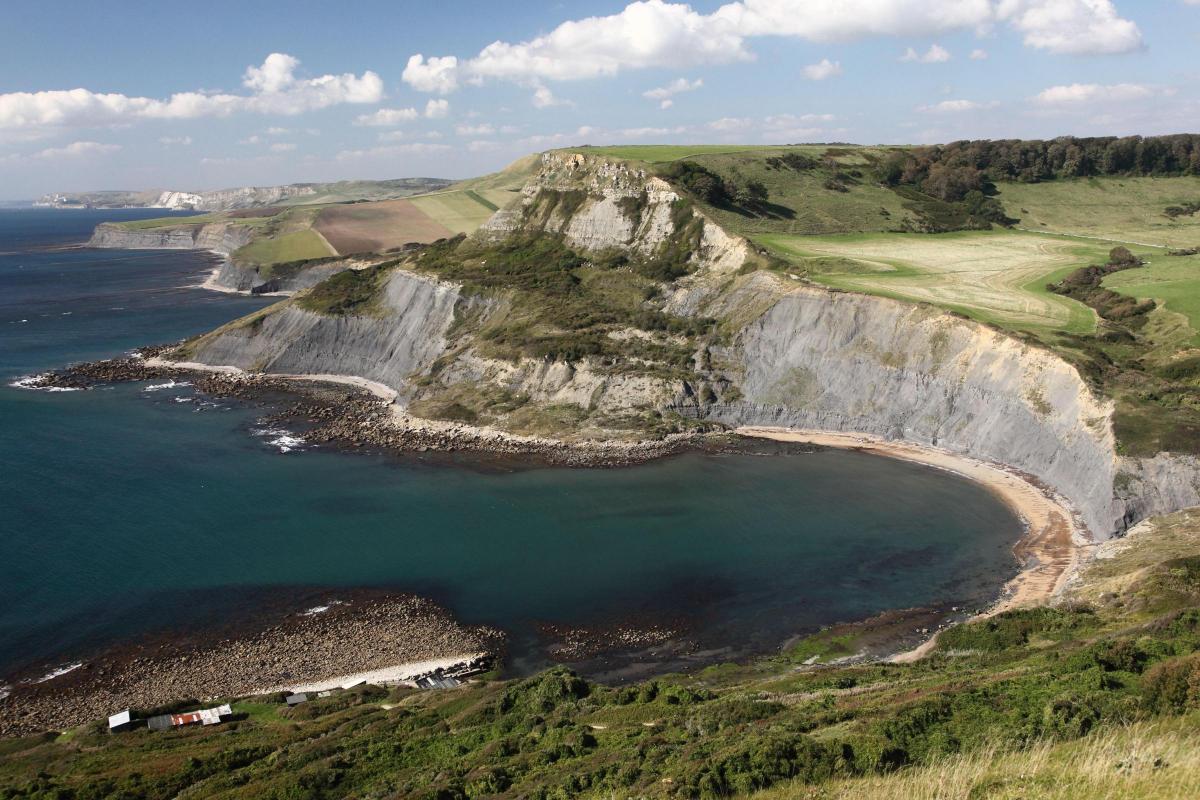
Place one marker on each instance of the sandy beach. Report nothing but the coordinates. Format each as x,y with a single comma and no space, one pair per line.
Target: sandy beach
1054,543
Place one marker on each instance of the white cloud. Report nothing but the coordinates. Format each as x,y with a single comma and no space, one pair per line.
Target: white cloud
979,55
274,86
956,106
436,109
1072,27
438,75
411,148
255,139
663,94
483,129
659,34
180,140
392,136
544,98
387,117
77,150
1082,94
277,131
730,124
822,69
936,54
283,147
482,146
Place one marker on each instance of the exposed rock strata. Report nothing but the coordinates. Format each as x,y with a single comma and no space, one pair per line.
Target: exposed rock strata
799,356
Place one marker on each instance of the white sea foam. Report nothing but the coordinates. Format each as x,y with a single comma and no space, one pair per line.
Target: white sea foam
60,671
312,612
278,437
171,384
31,382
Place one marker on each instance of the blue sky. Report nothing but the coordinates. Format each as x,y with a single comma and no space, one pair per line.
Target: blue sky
167,95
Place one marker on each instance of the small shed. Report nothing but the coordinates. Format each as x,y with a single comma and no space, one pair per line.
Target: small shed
296,699
160,723
121,721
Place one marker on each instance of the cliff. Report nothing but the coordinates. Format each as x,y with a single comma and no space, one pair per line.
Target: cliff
222,238
784,353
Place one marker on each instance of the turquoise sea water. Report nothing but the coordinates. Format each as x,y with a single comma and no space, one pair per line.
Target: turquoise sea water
125,510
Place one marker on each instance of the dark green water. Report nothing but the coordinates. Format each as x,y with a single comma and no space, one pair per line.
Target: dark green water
125,511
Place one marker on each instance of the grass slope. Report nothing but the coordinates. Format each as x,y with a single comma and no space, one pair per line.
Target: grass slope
998,277
292,246
1122,209
1096,696
1173,280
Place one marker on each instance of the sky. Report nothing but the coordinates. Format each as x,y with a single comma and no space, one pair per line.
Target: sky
138,95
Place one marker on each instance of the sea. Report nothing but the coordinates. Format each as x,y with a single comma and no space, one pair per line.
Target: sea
148,510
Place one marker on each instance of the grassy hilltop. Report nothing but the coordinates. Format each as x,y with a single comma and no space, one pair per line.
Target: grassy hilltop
1002,232
1094,698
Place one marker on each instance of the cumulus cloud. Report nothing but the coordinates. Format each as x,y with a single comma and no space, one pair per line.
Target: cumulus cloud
283,147
663,94
437,74
274,88
544,98
659,34
411,148
936,54
387,117
822,69
436,109
77,150
483,129
180,140
1073,27
1080,94
956,106
979,55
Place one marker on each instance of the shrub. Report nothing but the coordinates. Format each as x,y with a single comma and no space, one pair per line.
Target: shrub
1173,686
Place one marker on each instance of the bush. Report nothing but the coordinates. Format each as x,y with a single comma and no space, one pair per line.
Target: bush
1173,686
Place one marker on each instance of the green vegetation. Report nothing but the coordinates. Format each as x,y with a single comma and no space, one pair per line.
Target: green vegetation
293,246
351,292
561,306
1175,282
1092,697
177,222
998,277
659,153
1124,210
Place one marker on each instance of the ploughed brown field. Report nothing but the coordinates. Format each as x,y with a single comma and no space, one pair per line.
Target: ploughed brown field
371,227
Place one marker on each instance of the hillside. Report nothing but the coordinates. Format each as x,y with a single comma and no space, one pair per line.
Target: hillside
1087,699
247,196
297,239
613,299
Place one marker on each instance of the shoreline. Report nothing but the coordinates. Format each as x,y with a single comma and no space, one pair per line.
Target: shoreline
1050,552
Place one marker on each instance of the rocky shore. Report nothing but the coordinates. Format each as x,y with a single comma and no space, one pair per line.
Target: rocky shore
337,412
336,637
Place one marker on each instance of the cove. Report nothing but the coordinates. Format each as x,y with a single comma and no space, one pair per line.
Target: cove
130,511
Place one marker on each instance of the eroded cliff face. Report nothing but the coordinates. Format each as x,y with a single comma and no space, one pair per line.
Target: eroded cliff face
791,354
221,238
599,205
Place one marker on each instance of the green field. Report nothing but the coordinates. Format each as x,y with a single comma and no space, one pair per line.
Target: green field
994,276
460,211
1172,280
175,222
293,246
1124,209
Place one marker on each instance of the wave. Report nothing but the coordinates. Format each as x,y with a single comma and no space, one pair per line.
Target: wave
32,382
58,672
171,384
286,441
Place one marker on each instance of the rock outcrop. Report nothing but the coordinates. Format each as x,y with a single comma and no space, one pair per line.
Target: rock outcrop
798,355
